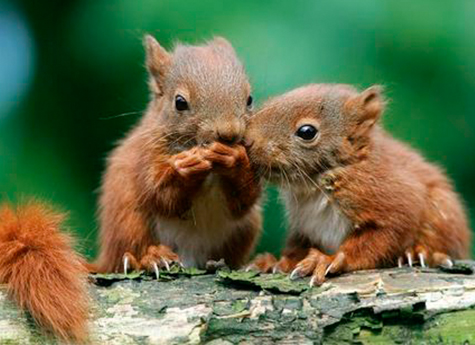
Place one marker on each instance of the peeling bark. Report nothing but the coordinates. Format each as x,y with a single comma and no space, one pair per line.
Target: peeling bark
395,306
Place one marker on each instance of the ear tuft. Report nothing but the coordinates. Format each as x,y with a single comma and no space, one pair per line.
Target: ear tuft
157,62
223,43
371,103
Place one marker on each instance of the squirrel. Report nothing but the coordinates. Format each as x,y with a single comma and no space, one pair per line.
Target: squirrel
356,197
179,188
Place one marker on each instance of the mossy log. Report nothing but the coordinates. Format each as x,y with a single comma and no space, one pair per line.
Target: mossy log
394,306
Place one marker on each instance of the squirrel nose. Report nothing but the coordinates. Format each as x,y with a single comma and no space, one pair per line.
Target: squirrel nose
227,137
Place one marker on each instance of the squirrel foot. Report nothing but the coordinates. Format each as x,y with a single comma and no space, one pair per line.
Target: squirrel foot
158,257
319,266
424,257
262,263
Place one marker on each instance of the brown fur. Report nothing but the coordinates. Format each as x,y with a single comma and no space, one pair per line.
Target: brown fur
172,159
393,200
41,271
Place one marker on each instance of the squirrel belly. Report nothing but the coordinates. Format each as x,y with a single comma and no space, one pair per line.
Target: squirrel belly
202,232
316,217
42,272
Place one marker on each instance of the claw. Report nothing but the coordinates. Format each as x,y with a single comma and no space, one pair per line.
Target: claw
294,273
275,269
409,259
250,267
167,265
328,269
312,281
181,264
157,272
421,260
399,262
126,264
449,263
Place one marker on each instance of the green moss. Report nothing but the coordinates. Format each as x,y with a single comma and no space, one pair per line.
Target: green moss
406,326
276,283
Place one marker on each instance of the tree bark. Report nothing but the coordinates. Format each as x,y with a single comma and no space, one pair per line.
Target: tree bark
393,306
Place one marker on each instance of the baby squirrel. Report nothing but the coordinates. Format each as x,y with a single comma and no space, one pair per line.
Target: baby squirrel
356,197
179,188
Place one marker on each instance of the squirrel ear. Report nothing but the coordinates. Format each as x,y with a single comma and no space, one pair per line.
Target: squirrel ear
157,62
223,43
366,106
371,103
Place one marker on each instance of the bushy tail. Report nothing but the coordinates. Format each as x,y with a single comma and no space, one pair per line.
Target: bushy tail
42,272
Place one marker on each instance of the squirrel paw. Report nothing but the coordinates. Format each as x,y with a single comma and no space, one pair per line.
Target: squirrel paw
420,255
319,266
158,257
191,163
130,263
225,157
262,263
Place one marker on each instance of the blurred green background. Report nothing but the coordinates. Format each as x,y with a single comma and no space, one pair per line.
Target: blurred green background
72,80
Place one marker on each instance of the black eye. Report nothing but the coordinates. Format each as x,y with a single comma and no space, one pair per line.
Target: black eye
181,103
307,132
249,101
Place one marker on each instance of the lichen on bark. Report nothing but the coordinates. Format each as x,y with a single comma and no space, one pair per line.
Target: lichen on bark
394,306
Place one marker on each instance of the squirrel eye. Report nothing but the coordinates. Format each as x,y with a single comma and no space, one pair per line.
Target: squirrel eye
307,132
249,101
180,103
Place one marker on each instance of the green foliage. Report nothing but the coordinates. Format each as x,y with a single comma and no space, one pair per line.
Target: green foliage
89,86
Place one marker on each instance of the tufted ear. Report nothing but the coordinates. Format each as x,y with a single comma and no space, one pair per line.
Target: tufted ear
370,104
157,61
223,43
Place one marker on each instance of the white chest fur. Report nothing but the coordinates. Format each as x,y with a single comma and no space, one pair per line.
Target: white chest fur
315,217
205,227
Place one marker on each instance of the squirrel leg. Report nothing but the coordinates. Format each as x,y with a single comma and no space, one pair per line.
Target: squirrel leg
241,186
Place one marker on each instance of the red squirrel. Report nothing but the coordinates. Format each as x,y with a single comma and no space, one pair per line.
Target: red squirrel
179,187
356,197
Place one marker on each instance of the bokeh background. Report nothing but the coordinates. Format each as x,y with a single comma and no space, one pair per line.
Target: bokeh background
72,80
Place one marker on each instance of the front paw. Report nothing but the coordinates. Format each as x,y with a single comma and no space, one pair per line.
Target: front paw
328,181
191,163
226,159
319,265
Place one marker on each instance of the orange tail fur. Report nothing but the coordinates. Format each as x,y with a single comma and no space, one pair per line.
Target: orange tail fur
42,272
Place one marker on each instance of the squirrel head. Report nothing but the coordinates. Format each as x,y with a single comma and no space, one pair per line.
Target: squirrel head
200,94
312,129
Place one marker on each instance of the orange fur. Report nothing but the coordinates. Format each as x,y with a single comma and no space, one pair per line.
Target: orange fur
181,180
42,272
356,197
